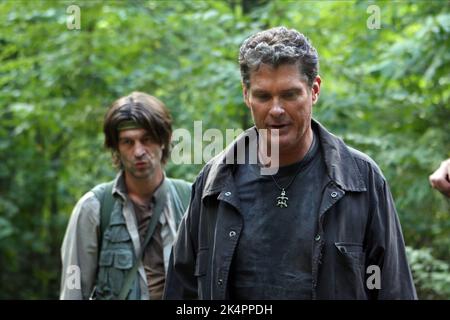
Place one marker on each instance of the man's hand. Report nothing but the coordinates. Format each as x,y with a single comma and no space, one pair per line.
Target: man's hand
440,179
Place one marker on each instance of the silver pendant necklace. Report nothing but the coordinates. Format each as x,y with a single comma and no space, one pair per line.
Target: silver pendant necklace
282,199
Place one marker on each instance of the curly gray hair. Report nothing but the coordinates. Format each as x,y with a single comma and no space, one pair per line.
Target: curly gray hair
278,46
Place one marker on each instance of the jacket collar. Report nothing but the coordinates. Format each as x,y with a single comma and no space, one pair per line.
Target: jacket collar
339,161
119,187
341,166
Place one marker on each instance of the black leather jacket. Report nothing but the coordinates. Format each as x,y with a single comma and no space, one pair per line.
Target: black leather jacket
358,227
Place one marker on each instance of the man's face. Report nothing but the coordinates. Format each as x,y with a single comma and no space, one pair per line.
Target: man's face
279,98
139,155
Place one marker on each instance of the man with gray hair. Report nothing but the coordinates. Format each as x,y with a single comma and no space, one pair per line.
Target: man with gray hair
324,226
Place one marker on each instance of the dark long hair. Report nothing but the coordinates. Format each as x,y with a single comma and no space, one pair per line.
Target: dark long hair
147,112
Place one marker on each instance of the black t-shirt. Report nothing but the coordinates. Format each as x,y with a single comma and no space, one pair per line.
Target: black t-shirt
273,256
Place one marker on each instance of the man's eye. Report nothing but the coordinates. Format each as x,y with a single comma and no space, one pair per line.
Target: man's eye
147,140
262,97
126,142
290,96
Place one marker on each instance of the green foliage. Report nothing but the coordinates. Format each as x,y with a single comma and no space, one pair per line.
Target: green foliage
431,275
386,91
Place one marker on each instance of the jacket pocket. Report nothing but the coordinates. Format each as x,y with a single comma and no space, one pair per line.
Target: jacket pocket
352,252
106,259
114,265
123,260
350,273
201,263
117,233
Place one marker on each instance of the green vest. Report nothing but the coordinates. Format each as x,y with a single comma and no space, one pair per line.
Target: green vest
116,251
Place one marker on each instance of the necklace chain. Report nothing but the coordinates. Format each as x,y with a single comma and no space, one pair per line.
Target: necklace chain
290,182
282,199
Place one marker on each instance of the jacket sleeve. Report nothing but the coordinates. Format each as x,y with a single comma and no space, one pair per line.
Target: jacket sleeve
79,251
387,248
181,282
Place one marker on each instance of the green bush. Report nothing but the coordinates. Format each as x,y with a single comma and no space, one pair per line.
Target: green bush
431,276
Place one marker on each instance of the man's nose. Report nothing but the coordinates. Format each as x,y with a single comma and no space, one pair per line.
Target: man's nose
139,150
276,110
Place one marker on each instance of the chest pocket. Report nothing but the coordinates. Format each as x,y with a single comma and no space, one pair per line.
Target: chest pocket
350,273
352,253
120,259
117,233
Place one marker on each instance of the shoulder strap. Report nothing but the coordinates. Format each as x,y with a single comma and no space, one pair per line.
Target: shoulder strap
180,191
183,190
103,192
151,229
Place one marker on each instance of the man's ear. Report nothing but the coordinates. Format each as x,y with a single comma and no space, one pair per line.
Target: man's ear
245,94
315,90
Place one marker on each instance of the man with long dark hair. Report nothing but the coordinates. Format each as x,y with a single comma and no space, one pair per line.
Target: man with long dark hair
120,234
